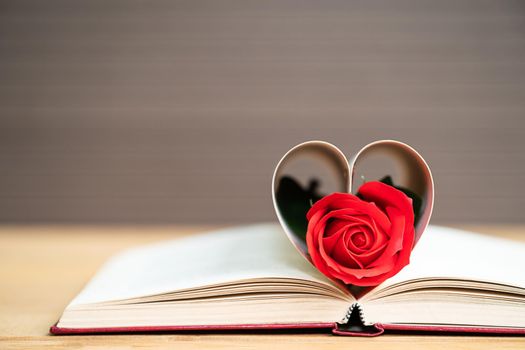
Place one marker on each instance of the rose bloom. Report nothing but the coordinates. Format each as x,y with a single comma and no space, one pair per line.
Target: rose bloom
361,241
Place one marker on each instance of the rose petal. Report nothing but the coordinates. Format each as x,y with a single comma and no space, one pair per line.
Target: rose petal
349,239
333,226
384,196
311,235
395,244
329,242
331,202
342,256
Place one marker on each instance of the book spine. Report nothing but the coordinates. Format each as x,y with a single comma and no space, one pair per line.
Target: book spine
353,324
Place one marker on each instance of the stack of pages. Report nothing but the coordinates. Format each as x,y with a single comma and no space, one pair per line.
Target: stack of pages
251,277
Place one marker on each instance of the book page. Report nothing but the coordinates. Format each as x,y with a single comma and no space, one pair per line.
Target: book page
450,253
229,255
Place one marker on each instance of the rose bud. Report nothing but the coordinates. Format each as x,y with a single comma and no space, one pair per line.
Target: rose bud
361,240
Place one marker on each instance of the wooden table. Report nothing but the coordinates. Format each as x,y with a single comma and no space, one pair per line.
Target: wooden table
43,267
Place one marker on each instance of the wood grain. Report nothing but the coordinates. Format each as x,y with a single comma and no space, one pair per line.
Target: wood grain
43,267
177,111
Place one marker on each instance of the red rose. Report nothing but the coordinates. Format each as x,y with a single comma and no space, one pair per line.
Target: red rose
361,241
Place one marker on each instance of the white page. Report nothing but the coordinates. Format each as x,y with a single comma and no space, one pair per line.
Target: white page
255,251
451,253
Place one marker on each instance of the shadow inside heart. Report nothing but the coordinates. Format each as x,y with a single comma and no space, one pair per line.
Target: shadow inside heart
294,201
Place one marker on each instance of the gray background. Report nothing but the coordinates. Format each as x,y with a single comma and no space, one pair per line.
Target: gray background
177,111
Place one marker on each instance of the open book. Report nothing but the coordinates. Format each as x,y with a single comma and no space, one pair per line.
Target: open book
251,277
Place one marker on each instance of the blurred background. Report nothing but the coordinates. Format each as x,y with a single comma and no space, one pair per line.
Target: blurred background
178,111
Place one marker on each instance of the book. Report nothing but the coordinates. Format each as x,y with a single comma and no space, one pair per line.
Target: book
251,277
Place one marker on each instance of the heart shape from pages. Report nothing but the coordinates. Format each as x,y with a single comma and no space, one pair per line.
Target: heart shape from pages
313,169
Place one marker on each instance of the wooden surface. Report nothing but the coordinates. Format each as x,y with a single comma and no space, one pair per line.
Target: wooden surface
42,268
136,111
